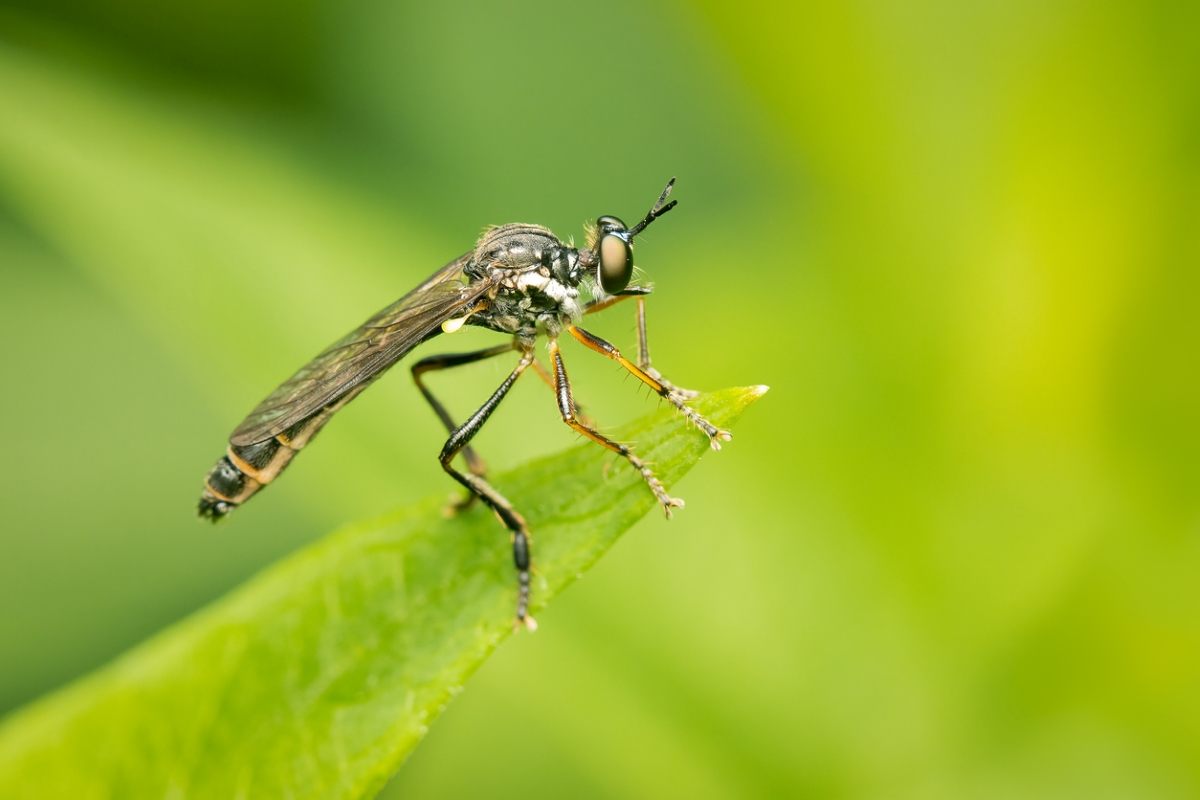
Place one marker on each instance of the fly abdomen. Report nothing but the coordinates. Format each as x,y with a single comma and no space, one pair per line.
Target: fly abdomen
246,468
242,471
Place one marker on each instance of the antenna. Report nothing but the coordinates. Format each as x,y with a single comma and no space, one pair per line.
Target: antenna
656,212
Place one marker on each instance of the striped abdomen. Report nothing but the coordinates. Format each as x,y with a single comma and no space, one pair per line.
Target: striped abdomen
244,469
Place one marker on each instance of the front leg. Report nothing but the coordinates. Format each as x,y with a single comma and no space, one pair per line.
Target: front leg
640,293
664,389
644,356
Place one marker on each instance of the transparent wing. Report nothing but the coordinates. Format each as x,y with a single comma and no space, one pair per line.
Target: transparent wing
362,355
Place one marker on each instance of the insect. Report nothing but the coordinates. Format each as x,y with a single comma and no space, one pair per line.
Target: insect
519,280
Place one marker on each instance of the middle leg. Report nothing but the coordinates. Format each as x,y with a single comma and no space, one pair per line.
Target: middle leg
548,379
566,408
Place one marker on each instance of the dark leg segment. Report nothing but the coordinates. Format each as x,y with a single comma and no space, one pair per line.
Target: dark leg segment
446,361
655,381
480,488
544,374
566,407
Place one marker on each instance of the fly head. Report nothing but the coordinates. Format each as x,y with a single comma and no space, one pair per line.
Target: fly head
610,246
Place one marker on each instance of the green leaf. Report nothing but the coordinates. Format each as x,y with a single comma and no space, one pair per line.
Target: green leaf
320,675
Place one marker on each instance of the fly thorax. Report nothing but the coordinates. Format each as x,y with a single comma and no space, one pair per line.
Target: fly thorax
536,278
538,295
526,301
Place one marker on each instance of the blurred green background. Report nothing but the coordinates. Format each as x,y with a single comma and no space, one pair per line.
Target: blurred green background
953,553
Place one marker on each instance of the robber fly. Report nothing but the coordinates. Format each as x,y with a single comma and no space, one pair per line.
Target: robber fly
518,280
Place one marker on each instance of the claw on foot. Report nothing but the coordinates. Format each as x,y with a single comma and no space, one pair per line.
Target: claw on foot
715,435
715,439
655,484
529,623
672,502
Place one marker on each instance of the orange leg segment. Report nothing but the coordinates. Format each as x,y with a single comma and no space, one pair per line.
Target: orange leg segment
651,378
566,408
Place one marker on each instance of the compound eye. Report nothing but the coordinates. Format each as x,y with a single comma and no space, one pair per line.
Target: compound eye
608,224
616,263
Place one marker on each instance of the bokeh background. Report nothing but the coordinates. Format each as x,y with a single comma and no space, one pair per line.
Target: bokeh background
953,553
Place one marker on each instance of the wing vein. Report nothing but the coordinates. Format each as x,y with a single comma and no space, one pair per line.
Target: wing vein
364,354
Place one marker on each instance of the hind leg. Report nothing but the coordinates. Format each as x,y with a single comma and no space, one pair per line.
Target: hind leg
475,464
478,486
